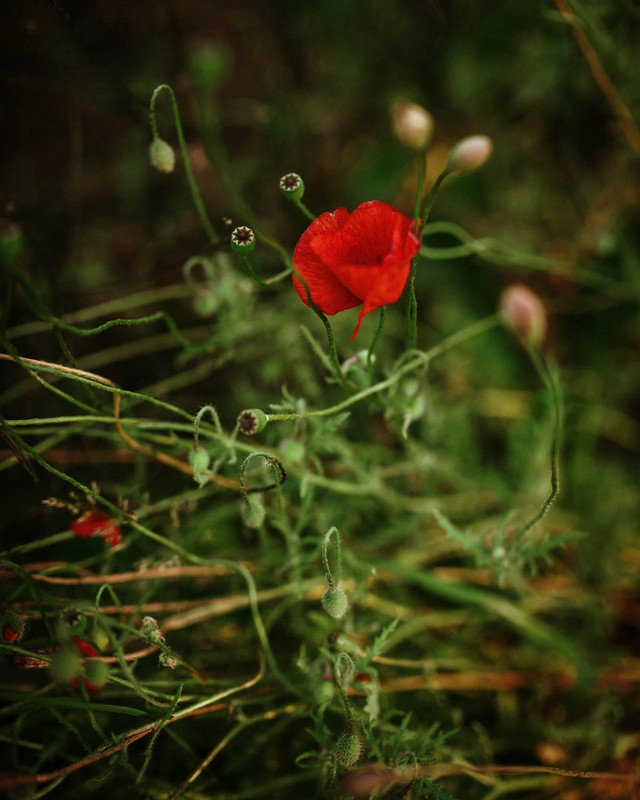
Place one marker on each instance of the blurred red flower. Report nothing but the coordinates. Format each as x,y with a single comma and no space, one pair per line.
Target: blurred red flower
363,258
95,523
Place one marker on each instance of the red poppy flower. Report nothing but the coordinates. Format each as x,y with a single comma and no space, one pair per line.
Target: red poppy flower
95,523
363,258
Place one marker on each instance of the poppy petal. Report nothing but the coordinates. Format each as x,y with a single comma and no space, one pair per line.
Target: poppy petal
327,292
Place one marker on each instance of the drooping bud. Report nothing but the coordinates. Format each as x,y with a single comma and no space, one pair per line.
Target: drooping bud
470,153
253,512
335,602
523,313
252,420
412,125
161,155
292,186
243,240
348,749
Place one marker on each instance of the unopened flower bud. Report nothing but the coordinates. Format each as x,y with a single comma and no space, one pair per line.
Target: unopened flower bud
65,665
412,125
199,458
96,673
12,626
252,420
253,512
348,749
335,602
208,64
292,186
150,630
243,240
162,156
523,313
470,153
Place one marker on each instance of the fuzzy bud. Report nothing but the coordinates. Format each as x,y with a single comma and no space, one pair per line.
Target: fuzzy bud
470,153
253,512
243,240
335,602
12,626
96,673
292,186
150,630
412,125
65,665
252,420
162,156
348,749
524,314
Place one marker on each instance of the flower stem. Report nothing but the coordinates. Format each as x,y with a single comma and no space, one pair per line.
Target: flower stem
300,205
374,341
552,383
412,306
476,328
193,187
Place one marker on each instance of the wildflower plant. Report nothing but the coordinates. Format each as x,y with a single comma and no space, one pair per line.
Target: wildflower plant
300,559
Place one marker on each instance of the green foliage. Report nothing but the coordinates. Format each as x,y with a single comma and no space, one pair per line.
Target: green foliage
480,597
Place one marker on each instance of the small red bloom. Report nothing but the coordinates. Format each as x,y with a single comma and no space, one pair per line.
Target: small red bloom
8,634
95,523
363,258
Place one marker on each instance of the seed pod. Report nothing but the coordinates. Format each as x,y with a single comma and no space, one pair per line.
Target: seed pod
335,602
252,420
292,186
243,240
348,749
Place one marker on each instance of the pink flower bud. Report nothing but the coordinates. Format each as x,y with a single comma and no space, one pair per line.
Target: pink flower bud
523,312
412,125
470,153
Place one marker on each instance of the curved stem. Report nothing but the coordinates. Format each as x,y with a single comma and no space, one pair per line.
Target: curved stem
193,186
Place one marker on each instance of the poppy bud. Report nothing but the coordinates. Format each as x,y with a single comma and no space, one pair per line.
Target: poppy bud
96,674
412,125
253,512
149,630
252,420
12,626
348,749
65,665
161,155
335,602
292,186
243,240
470,153
524,314
208,65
